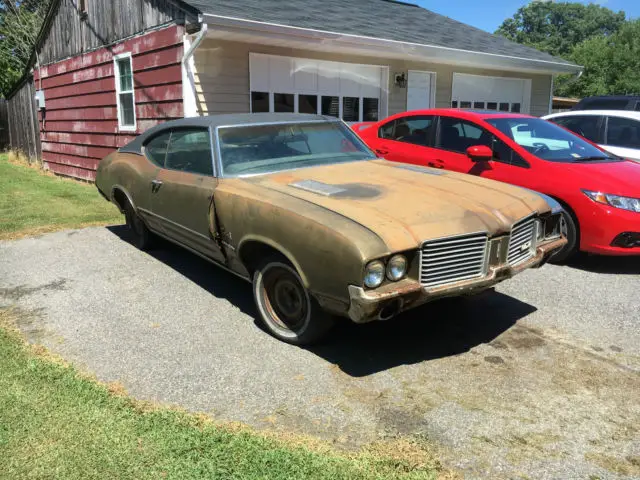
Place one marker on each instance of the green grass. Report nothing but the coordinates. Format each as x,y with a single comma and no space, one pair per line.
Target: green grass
33,202
57,423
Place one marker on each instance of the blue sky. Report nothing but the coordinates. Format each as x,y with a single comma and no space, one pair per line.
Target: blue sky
488,15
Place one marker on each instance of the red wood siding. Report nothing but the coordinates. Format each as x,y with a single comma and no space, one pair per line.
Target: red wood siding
81,119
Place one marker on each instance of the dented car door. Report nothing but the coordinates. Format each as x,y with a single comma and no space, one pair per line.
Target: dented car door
182,192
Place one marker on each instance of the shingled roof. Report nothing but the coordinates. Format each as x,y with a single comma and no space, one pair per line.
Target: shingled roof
381,19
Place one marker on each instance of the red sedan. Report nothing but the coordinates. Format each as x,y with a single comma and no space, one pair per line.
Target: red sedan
599,191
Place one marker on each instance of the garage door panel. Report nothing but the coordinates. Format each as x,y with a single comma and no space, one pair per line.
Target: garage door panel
352,89
492,92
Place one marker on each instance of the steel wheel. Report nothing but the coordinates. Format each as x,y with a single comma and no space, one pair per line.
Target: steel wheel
285,306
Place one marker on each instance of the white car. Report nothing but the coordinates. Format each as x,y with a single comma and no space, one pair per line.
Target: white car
617,131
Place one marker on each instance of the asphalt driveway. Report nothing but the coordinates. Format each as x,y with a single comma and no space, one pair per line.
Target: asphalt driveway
540,379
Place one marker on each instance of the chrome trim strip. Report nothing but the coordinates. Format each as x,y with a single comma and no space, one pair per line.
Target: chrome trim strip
176,224
210,260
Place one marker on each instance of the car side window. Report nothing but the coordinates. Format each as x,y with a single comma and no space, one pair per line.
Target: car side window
413,129
457,135
386,130
623,132
190,151
156,148
584,125
503,153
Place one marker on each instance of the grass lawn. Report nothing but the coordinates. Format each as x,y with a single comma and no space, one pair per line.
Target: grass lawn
57,423
33,202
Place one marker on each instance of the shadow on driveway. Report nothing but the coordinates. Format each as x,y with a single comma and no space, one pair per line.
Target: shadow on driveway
440,329
611,265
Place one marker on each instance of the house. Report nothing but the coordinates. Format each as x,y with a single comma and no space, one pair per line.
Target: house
106,70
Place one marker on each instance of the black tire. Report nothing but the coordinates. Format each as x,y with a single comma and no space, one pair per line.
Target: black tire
570,229
141,236
285,307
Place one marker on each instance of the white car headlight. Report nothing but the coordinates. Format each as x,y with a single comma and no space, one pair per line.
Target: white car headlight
374,274
625,203
396,268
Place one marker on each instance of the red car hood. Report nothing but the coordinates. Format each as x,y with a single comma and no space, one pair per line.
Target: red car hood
619,178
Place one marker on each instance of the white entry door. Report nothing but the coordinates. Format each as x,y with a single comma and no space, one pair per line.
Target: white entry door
420,90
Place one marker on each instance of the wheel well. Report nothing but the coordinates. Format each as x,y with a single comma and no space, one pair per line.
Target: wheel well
253,252
120,198
573,215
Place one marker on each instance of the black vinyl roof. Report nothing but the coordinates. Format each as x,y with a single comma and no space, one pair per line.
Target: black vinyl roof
383,19
222,120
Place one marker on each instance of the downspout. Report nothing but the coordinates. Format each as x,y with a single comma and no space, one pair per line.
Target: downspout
196,43
187,67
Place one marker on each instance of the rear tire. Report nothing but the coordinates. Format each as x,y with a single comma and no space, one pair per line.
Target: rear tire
285,307
141,236
568,226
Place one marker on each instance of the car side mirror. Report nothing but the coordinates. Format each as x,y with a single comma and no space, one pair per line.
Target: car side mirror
479,153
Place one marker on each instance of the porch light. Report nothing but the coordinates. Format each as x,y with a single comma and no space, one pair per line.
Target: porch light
400,80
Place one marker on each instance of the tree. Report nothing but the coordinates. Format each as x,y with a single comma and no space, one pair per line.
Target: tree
20,23
557,28
611,64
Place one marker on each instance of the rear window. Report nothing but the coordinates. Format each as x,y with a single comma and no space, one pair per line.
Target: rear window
605,104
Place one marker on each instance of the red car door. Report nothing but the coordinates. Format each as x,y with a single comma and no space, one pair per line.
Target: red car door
406,139
456,135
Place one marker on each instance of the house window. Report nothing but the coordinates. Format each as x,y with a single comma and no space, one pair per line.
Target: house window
283,102
125,96
259,102
370,109
350,109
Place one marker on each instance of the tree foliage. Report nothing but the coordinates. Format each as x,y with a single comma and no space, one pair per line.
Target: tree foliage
20,23
557,28
611,64
601,40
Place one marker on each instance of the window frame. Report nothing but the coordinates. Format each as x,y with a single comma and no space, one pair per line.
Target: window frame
605,131
211,150
430,139
151,139
521,163
116,75
601,126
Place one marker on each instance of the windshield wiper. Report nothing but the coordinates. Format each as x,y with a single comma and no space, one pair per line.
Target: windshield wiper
593,158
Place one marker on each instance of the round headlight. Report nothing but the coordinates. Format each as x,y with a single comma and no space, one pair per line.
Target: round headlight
374,274
396,268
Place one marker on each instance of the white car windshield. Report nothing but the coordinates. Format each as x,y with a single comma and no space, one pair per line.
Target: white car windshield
548,141
268,148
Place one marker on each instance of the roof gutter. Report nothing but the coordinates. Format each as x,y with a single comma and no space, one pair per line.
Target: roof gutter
196,43
321,39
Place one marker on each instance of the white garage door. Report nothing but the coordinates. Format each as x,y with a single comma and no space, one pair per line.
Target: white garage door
491,93
353,92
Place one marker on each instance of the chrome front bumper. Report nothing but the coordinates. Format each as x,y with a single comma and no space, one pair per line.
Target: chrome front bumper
385,302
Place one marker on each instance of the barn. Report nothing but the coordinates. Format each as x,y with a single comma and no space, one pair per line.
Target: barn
104,71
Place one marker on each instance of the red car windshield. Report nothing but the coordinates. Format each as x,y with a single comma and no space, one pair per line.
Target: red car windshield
548,141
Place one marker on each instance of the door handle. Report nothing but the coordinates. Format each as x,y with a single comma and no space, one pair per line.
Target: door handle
381,151
155,185
436,164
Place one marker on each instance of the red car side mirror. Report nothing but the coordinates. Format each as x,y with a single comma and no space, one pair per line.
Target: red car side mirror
479,153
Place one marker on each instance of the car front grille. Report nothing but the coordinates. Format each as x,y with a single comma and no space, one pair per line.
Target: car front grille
523,241
453,259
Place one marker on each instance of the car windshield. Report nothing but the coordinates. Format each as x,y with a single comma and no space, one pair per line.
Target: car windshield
548,141
257,149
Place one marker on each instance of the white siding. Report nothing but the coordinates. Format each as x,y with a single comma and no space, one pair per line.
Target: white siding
222,77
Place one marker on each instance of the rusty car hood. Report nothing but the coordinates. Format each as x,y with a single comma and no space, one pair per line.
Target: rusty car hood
405,204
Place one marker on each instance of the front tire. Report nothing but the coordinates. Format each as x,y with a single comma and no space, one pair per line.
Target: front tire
285,307
569,227
141,236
